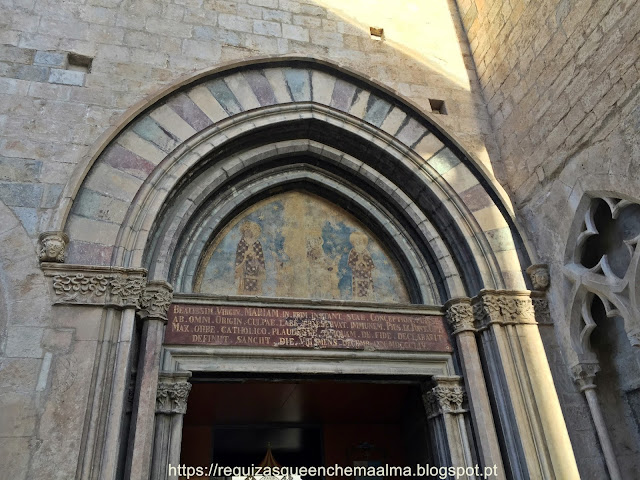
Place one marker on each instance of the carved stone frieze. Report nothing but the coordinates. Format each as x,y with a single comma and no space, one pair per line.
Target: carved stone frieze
52,246
446,397
503,306
94,285
584,374
541,308
539,275
459,315
173,393
155,300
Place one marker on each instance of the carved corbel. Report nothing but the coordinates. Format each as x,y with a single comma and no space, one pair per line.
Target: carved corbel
52,246
539,275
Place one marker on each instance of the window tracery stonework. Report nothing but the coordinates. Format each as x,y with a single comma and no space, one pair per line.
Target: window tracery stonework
603,262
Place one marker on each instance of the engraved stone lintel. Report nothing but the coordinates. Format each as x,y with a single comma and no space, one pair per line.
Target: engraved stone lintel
155,300
503,307
53,246
459,315
584,374
539,275
445,397
173,392
95,285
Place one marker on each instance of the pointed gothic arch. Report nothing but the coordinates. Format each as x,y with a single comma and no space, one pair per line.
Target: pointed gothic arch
182,166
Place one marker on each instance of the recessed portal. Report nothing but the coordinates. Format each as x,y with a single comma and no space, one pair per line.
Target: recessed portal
305,423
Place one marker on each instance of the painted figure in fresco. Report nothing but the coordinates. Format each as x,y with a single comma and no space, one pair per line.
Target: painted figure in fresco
362,267
323,278
250,268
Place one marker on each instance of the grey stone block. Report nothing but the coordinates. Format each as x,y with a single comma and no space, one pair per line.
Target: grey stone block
34,73
51,59
67,77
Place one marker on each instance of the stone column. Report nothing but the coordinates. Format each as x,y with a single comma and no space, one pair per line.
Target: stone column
443,400
584,375
171,405
154,304
536,438
459,315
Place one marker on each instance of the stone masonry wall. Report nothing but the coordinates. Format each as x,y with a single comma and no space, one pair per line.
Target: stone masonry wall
561,83
52,112
69,70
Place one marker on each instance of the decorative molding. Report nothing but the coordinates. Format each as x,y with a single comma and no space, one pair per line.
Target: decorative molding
503,307
539,275
94,285
584,374
155,300
173,393
541,308
459,314
446,397
52,246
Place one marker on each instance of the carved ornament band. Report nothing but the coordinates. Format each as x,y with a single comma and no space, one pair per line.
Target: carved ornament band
95,285
503,307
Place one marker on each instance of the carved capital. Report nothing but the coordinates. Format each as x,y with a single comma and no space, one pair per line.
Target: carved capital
173,393
539,275
504,307
541,308
52,246
459,314
584,374
155,300
94,285
446,397
634,338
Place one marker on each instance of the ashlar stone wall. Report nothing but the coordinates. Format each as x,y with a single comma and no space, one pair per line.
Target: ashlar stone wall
69,70
562,84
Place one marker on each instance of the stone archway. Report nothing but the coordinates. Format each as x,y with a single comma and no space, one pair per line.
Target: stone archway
162,186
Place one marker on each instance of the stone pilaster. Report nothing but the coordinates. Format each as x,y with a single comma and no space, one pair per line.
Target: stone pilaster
459,314
154,304
443,399
529,415
171,405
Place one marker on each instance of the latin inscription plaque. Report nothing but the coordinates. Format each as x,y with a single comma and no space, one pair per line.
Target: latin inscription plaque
197,324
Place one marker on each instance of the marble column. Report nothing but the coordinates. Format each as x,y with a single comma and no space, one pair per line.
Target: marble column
154,304
443,400
171,405
459,314
584,375
529,416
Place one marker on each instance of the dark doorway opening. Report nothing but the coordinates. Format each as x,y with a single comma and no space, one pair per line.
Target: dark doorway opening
306,422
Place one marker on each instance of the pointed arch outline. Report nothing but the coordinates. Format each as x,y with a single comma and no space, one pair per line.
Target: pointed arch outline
490,271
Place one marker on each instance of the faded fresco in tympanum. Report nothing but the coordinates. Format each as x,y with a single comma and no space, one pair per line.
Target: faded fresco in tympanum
299,245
